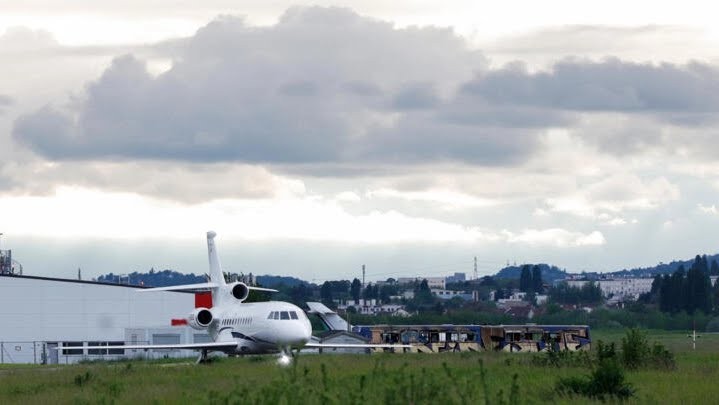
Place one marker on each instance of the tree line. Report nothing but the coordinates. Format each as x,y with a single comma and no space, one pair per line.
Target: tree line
686,290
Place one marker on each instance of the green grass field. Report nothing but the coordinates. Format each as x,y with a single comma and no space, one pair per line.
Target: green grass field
388,378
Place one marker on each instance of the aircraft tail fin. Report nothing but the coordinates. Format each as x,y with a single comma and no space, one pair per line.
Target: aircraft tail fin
216,275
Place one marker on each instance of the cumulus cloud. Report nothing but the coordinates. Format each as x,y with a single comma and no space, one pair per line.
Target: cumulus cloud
556,237
326,85
711,209
23,39
543,46
322,85
610,85
186,183
614,195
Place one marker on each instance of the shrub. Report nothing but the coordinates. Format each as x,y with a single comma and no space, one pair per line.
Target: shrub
661,357
607,380
713,325
636,352
635,349
606,351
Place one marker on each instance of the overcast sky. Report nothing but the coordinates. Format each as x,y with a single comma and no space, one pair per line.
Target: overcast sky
409,136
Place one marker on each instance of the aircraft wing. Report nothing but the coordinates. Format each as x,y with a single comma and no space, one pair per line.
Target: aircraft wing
311,345
187,346
200,286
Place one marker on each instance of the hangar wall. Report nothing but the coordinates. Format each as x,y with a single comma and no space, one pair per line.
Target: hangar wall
35,311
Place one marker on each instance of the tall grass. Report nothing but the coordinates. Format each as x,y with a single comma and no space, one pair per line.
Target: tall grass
452,378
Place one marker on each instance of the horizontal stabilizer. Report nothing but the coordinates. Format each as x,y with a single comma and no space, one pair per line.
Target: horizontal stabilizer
329,317
200,286
262,289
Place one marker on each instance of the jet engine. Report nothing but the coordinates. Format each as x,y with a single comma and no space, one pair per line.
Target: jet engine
240,291
200,318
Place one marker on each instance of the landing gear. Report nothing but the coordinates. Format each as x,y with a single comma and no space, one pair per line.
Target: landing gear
203,357
286,356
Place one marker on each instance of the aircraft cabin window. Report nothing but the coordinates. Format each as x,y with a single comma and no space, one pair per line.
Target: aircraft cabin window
293,315
277,315
284,315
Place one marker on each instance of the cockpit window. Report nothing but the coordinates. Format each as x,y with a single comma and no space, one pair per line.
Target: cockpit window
284,315
293,315
272,314
277,315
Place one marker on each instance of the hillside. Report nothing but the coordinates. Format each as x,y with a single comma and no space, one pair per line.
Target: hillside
166,278
549,273
662,268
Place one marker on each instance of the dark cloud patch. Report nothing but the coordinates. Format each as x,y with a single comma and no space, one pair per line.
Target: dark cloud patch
362,88
416,96
611,85
421,141
5,101
472,111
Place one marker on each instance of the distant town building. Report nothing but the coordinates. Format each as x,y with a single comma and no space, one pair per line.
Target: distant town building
449,294
456,278
433,282
619,288
370,307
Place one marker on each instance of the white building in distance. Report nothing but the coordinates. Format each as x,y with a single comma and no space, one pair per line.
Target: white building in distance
619,288
434,283
39,313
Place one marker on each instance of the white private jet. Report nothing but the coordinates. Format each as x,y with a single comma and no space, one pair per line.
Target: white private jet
243,328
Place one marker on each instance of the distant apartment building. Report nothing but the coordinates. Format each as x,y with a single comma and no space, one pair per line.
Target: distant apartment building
438,283
372,307
619,288
456,278
449,294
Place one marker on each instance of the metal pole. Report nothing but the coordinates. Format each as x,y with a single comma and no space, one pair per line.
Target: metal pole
2,352
34,352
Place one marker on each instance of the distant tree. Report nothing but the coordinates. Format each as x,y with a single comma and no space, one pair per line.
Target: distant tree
488,281
666,301
525,279
300,293
714,269
370,292
589,294
688,291
326,293
455,303
537,282
386,291
356,289
423,294
699,289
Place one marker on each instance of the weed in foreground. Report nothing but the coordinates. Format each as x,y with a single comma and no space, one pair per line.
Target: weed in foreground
607,380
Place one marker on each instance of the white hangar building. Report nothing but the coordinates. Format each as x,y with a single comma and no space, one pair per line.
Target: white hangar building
38,313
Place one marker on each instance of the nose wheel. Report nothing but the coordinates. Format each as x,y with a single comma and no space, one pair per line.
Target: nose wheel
286,356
